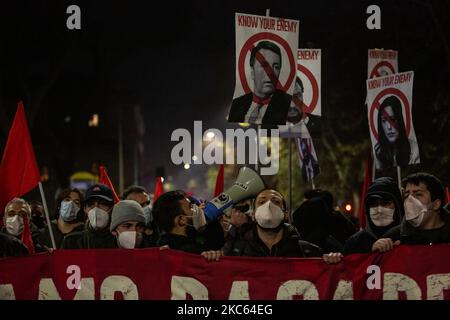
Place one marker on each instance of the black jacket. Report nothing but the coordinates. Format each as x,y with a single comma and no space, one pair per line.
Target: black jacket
89,239
407,234
362,241
250,245
276,112
181,243
10,246
44,240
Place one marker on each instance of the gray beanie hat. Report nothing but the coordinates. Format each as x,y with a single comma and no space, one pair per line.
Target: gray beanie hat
126,210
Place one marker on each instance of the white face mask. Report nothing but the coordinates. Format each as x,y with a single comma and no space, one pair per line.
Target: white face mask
68,211
14,225
198,217
129,239
415,211
269,215
381,216
98,218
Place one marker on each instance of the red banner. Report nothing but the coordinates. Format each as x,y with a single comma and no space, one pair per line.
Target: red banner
407,272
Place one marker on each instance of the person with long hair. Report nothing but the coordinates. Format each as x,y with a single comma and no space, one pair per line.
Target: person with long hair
393,147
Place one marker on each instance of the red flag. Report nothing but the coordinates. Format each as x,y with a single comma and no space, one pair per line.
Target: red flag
366,184
219,181
159,188
19,172
26,235
447,195
104,179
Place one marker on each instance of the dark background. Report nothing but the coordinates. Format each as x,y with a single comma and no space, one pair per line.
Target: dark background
160,66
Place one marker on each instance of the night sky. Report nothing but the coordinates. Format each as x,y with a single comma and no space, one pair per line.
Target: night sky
176,60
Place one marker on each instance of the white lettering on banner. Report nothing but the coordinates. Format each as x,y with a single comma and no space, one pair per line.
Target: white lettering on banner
121,284
436,284
239,291
7,292
180,286
396,282
344,291
47,290
87,290
292,288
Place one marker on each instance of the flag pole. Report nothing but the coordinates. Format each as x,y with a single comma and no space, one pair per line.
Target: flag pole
399,177
373,169
257,147
47,216
290,172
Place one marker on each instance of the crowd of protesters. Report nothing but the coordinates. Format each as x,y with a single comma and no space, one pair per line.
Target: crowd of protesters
256,227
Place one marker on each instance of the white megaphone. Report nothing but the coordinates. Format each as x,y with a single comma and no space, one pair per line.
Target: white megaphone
248,184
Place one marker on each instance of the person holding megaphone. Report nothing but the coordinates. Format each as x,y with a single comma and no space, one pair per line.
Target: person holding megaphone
271,235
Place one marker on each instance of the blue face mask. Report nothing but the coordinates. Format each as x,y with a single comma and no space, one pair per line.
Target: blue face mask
68,211
148,215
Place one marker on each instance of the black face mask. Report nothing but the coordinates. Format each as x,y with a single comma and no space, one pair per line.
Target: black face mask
38,221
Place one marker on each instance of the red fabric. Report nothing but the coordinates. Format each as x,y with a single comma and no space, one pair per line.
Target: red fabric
26,236
260,100
447,195
19,172
104,179
366,183
219,181
161,274
159,188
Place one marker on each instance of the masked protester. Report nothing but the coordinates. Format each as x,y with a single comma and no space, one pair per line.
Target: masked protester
141,196
96,233
270,235
70,219
17,223
180,221
37,214
128,224
383,207
425,221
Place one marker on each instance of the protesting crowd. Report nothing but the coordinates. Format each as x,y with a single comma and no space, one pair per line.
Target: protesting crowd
259,226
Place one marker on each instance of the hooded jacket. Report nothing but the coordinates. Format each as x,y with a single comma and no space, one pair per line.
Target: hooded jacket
362,241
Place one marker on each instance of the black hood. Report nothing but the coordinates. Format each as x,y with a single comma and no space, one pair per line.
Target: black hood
312,219
384,186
